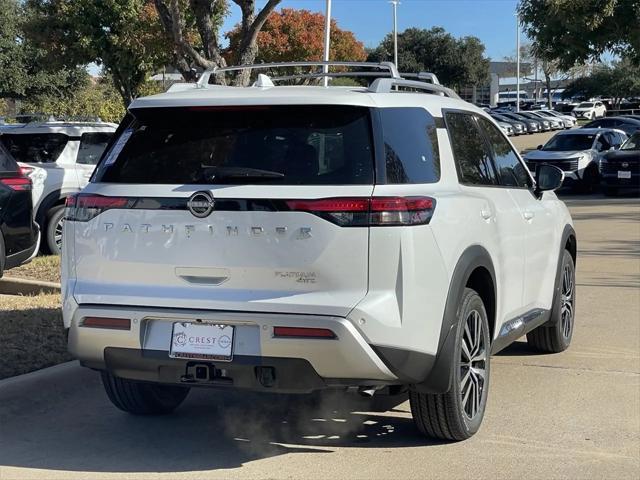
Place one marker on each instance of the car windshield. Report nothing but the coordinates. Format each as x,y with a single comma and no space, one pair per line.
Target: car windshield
565,143
585,105
632,143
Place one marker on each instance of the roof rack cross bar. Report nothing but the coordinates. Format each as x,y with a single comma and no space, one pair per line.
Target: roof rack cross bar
203,81
386,85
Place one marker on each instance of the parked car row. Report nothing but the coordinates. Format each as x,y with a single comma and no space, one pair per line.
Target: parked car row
533,121
59,158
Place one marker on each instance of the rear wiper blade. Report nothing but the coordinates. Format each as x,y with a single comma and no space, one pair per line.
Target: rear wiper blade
225,173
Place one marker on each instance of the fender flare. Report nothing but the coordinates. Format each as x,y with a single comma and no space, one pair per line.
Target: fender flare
47,202
568,233
439,378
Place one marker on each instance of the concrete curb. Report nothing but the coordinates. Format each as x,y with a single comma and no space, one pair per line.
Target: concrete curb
22,286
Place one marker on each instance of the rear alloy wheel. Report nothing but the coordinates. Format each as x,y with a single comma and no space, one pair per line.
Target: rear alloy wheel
557,337
457,414
55,226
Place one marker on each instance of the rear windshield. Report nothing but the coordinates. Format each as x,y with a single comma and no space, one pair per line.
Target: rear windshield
35,147
278,145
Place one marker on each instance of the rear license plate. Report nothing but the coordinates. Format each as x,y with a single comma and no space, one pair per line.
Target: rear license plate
202,341
623,174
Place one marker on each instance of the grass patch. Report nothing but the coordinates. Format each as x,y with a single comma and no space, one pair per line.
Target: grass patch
32,333
45,268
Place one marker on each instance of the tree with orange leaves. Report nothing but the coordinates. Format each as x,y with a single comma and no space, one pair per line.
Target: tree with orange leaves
297,35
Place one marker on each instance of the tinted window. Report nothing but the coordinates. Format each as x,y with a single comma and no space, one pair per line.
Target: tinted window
410,145
35,148
511,172
7,164
91,147
470,151
278,145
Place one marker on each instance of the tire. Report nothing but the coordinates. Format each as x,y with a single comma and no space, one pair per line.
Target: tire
54,222
590,179
141,398
450,415
556,338
611,191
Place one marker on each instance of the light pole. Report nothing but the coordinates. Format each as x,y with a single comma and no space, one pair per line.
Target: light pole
327,40
395,4
517,62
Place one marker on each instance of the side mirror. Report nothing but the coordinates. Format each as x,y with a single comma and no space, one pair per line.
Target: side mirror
539,147
548,178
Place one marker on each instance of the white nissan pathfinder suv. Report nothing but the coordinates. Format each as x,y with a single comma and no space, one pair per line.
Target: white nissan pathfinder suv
299,238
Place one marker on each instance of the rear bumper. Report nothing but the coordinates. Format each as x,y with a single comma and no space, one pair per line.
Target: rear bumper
142,353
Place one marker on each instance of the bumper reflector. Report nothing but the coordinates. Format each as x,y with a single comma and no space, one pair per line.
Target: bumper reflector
301,332
107,322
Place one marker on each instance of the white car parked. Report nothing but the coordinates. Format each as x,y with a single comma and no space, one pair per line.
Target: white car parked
67,153
590,110
298,238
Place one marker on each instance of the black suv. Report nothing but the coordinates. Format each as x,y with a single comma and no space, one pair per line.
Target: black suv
19,234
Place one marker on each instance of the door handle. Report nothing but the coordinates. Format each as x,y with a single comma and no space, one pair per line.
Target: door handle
528,215
486,214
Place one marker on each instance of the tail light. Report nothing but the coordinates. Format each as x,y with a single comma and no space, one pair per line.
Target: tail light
84,207
375,211
25,170
18,184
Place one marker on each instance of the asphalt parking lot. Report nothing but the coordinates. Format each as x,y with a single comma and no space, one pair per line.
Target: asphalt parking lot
570,415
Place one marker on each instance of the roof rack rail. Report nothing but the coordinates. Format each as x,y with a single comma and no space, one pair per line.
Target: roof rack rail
389,67
388,85
422,76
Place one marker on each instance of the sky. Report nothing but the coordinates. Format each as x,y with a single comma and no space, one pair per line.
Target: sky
492,21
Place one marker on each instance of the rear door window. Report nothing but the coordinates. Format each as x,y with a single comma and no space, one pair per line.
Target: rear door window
35,148
273,145
470,150
511,171
92,144
410,146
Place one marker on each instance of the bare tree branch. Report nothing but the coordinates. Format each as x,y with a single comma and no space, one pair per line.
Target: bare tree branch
173,22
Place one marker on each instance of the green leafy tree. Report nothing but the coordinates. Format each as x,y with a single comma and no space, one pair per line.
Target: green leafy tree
99,99
24,70
457,62
576,31
617,81
122,36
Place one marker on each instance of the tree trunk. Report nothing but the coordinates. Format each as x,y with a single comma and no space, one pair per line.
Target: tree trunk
547,81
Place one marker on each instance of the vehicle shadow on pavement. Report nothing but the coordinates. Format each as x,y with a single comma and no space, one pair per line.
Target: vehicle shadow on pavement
66,423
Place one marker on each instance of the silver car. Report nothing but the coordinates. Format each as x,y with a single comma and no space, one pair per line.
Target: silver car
577,153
